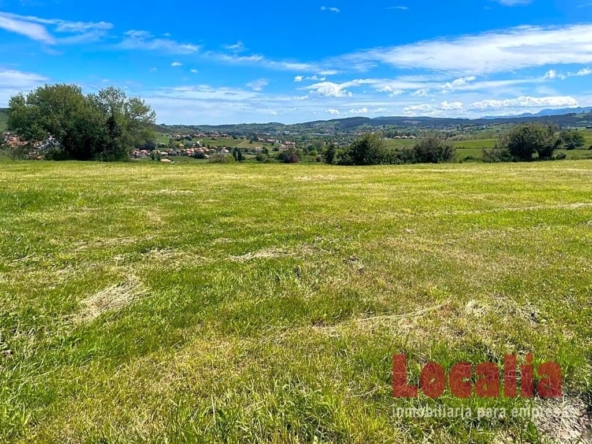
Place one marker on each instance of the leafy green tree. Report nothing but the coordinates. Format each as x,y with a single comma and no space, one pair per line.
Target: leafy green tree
523,141
433,149
370,149
238,155
330,153
572,139
106,126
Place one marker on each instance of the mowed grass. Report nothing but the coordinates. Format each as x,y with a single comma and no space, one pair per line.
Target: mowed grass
144,302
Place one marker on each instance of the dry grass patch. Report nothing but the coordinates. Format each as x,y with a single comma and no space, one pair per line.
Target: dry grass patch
110,299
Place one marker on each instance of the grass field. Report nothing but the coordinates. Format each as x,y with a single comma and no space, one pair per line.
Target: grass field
144,302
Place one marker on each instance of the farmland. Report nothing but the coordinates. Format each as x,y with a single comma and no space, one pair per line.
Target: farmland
144,302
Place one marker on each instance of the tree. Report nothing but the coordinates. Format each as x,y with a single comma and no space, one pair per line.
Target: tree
238,155
330,153
106,126
369,149
572,139
523,141
433,149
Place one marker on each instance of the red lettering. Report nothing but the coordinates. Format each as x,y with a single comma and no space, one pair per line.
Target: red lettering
549,387
527,378
432,380
400,387
460,380
488,380
510,376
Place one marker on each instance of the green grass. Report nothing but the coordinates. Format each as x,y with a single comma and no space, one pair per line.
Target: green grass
144,302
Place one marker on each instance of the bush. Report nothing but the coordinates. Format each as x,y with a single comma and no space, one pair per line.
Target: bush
523,141
292,158
199,155
560,156
433,149
496,155
572,139
221,158
313,153
369,149
319,158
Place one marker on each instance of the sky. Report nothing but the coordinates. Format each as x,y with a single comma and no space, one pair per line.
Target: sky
233,61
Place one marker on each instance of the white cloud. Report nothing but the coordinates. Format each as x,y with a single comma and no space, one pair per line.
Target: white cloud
552,74
298,79
451,106
258,85
333,112
486,53
582,72
260,61
237,47
331,9
143,40
330,89
444,108
400,8
12,82
421,92
392,92
526,102
451,86
359,111
35,28
194,71
176,64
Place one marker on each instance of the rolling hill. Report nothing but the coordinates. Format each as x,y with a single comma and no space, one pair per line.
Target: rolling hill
574,118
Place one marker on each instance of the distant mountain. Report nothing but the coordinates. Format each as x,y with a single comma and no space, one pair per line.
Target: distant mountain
546,112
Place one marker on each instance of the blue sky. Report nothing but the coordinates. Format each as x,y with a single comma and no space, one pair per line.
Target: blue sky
231,61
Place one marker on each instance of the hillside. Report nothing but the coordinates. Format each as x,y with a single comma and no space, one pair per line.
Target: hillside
353,124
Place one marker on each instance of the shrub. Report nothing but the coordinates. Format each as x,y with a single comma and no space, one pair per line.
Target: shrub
496,155
221,158
560,156
572,139
292,158
369,149
433,149
319,158
313,153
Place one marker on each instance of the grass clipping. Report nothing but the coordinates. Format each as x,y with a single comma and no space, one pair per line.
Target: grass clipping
111,299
